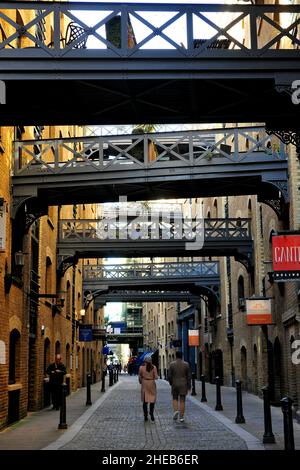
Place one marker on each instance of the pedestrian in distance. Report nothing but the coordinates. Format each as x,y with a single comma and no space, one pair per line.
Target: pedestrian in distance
147,376
180,377
56,372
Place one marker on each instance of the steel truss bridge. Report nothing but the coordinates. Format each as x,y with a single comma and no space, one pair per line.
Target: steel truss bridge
129,60
173,237
202,163
196,277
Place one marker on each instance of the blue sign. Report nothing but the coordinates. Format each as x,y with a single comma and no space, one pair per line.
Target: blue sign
105,350
85,333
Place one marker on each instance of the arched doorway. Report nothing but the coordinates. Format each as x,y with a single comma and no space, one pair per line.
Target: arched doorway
218,365
254,371
277,370
46,354
68,356
244,368
14,376
271,378
46,385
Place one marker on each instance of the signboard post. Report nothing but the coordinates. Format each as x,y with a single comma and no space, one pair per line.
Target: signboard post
259,311
286,257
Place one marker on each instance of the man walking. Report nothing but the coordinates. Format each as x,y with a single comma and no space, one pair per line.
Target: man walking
180,376
56,372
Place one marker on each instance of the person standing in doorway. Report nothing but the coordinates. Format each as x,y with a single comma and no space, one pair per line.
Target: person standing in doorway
147,376
56,372
180,377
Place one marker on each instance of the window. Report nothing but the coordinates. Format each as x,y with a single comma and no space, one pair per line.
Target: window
48,280
68,299
14,357
241,293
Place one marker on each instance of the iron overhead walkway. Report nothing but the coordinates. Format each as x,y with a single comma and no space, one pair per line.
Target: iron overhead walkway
202,163
128,60
197,277
174,237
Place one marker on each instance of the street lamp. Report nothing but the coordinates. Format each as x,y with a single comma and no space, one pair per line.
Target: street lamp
19,259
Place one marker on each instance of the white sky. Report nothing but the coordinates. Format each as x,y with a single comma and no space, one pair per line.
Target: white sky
176,31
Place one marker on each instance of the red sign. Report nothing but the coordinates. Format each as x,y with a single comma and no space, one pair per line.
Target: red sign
193,337
259,311
286,252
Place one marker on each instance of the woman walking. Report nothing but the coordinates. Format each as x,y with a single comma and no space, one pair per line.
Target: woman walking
147,376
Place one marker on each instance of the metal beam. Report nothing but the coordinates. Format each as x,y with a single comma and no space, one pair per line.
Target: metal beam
132,68
133,296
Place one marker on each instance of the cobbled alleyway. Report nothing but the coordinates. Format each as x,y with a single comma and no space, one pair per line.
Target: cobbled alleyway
118,423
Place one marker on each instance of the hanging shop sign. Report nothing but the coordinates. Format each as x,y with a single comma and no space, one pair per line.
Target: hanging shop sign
259,311
286,257
193,337
85,333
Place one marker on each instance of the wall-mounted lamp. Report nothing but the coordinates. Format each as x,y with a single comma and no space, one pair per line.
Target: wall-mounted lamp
43,330
82,312
19,259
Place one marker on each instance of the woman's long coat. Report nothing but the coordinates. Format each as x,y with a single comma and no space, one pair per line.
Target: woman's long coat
147,380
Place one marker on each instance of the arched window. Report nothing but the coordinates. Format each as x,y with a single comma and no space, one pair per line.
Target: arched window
241,293
14,357
48,279
57,347
68,299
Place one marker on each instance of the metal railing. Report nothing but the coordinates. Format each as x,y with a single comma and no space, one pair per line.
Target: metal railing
92,231
155,271
111,30
126,153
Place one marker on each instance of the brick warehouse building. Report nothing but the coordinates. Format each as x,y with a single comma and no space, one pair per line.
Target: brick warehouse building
33,329
31,332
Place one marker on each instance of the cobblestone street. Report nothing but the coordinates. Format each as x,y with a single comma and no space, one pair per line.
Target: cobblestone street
118,424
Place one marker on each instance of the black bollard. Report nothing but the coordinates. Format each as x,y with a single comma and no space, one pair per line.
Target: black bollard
63,408
268,434
239,403
193,385
160,373
165,374
219,406
286,404
117,375
103,382
203,398
88,389
111,378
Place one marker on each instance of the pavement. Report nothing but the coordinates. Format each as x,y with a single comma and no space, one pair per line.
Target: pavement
252,412
115,421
